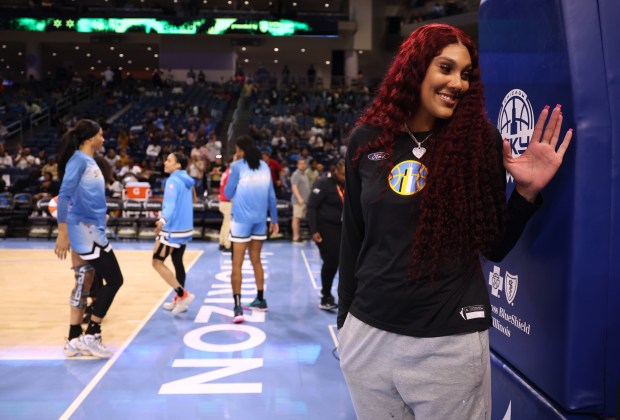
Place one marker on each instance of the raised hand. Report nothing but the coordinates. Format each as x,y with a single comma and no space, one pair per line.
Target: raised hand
533,170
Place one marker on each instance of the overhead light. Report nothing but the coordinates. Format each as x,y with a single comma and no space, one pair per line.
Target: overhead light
303,50
276,49
121,55
275,61
111,48
156,55
77,47
246,61
243,48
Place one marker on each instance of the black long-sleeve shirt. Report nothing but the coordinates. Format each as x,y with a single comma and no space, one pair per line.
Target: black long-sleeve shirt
379,219
324,204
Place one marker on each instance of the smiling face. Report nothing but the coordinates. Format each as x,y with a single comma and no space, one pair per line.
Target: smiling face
445,82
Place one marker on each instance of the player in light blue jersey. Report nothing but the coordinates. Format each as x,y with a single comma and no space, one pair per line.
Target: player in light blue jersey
174,230
250,188
81,229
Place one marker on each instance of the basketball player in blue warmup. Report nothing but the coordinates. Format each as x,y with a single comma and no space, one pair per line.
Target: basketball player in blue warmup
174,230
251,190
81,229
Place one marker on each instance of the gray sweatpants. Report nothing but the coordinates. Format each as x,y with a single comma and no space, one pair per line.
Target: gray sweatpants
393,376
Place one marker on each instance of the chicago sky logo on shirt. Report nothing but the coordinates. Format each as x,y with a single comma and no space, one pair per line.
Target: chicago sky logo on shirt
408,177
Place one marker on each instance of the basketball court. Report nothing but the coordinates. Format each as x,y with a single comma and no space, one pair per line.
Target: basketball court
280,364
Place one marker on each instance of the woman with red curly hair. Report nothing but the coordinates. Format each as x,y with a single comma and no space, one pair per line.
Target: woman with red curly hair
424,201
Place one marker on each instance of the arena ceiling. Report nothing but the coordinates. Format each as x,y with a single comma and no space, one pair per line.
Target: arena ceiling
182,7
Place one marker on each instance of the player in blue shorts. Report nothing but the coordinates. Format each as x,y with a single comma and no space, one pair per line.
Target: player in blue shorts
81,230
251,190
174,230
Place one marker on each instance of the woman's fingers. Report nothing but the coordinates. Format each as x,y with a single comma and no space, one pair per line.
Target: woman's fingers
553,141
565,143
540,124
553,126
555,121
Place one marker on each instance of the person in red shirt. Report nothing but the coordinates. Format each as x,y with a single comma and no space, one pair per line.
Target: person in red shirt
275,168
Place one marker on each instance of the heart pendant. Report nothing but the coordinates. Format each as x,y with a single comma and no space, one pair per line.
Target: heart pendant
418,151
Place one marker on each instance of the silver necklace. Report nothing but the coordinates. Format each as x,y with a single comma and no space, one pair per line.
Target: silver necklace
417,151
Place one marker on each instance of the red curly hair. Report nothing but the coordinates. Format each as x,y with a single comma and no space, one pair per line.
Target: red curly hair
463,204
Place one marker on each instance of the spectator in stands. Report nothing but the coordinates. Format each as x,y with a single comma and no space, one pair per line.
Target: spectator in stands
312,172
190,78
199,165
114,188
202,79
325,222
154,147
6,161
214,147
315,142
81,233
278,140
414,309
239,74
156,79
130,168
47,187
123,159
300,188
112,158
52,167
250,188
24,159
217,169
174,230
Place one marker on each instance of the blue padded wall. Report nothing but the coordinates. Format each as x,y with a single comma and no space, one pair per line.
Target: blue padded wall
554,297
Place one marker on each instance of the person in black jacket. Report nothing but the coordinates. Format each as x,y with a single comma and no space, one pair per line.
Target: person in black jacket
425,199
324,215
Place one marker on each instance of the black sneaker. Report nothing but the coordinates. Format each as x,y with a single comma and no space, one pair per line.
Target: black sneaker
238,314
328,303
221,248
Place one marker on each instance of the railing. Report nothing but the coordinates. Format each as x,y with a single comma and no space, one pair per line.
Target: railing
35,119
15,128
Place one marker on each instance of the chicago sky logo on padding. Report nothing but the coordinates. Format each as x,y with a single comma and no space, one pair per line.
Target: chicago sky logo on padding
408,177
516,122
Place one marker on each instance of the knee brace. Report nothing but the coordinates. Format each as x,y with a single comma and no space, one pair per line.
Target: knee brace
78,297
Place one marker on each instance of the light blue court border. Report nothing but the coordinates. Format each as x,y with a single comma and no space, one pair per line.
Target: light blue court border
278,365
